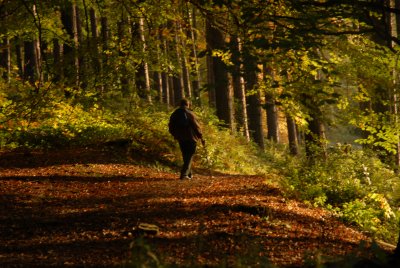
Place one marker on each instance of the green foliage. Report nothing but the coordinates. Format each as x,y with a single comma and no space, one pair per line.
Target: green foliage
228,152
48,120
354,185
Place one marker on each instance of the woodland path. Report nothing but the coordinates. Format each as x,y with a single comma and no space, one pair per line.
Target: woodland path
77,208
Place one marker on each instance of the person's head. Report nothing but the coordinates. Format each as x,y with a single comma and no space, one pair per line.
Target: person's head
185,103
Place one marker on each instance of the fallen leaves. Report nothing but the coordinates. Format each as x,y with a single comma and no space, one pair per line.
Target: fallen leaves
56,212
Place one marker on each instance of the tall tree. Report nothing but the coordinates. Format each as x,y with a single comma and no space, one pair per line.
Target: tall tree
223,91
70,56
254,109
239,87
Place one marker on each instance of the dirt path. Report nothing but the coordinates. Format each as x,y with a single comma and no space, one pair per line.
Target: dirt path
78,209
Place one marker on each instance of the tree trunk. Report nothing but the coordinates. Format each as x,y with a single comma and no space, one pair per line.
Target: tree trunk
254,110
171,91
184,62
94,41
158,84
210,73
315,138
146,71
57,68
272,118
179,85
125,77
5,59
165,76
165,88
80,50
70,56
29,61
5,53
292,136
20,58
195,70
177,88
223,90
239,88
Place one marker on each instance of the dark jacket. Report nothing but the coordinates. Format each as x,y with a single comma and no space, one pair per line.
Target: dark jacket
190,132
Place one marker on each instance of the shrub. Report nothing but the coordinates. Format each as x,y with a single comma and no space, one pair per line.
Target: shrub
355,185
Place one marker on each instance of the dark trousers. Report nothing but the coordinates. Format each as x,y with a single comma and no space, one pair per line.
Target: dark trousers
188,148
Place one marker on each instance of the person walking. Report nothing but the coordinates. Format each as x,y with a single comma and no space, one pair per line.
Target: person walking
185,128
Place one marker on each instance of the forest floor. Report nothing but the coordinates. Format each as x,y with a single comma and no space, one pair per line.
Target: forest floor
80,207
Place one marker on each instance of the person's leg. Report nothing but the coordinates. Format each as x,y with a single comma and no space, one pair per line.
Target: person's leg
188,148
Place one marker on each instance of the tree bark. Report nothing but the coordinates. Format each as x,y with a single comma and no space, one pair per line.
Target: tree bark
315,138
145,63
57,69
223,90
195,70
239,88
254,109
179,84
70,56
20,58
187,87
5,59
30,61
292,136
165,76
272,118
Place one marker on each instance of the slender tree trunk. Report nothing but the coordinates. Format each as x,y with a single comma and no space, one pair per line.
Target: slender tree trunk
105,36
145,63
75,27
94,50
165,88
254,109
70,56
181,46
210,72
5,53
171,91
165,77
292,135
5,59
239,88
125,77
158,83
94,41
80,49
179,84
20,58
195,70
57,69
179,93
272,118
271,109
30,61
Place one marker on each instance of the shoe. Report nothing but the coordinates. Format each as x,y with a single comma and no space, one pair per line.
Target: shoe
185,178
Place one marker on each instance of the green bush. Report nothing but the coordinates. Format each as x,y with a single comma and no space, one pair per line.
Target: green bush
356,186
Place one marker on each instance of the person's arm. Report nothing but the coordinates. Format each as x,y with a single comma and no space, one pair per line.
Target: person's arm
196,127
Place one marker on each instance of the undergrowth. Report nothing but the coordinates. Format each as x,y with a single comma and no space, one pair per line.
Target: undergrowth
50,121
355,185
